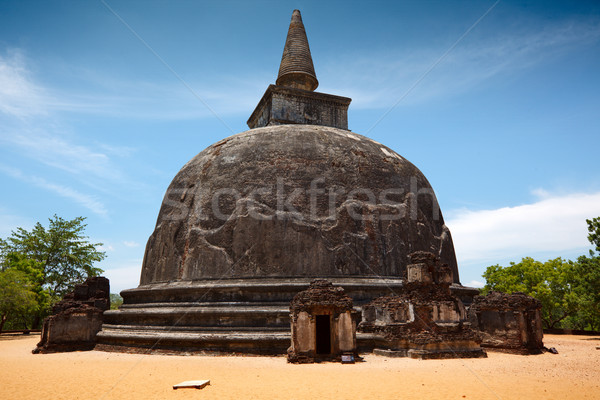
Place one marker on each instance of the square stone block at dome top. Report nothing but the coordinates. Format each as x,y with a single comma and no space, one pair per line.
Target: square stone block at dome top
284,105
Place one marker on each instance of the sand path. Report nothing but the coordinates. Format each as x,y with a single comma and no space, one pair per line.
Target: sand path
572,374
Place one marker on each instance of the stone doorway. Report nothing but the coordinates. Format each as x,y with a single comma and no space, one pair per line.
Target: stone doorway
323,334
323,324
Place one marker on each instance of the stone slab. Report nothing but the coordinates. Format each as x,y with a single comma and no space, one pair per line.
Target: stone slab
192,384
390,353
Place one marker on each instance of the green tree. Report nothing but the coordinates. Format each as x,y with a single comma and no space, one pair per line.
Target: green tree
588,293
54,259
35,275
569,290
16,296
588,282
552,283
594,230
115,301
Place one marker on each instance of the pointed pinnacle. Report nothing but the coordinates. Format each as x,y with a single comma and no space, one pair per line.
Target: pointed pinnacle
296,69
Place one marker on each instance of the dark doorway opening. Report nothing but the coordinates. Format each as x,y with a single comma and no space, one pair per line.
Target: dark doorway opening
323,334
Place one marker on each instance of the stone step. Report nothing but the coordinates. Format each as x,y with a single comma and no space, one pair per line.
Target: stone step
192,334
257,342
206,309
130,338
282,305
244,316
143,328
360,288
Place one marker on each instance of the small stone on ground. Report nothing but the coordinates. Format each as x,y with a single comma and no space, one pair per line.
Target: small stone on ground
192,384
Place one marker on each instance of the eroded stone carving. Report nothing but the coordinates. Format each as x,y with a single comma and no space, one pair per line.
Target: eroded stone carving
252,217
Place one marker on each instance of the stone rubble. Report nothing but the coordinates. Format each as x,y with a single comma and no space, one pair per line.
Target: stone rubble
76,319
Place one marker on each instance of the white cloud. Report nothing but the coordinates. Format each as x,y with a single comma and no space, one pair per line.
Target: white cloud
550,225
85,200
471,63
131,243
23,96
168,100
106,247
10,222
55,151
475,284
541,193
19,95
123,276
391,72
30,126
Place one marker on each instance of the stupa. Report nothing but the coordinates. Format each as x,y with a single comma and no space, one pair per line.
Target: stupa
251,220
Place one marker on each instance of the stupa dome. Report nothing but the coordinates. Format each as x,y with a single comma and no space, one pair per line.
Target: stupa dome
295,201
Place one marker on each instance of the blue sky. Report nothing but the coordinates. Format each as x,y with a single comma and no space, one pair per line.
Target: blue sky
505,126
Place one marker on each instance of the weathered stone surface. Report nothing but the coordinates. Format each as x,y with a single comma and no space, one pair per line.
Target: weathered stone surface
259,204
423,319
76,319
93,292
508,323
322,300
321,293
71,330
296,69
283,105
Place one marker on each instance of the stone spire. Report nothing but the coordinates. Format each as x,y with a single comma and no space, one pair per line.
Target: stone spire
292,100
296,69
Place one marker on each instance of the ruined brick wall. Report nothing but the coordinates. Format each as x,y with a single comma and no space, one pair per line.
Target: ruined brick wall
321,293
423,319
93,292
509,323
419,313
77,318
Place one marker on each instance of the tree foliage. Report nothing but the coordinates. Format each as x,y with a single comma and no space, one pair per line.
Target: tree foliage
115,301
587,270
17,299
568,290
594,230
551,283
53,259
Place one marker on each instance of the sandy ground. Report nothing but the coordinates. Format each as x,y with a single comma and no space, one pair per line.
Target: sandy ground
572,374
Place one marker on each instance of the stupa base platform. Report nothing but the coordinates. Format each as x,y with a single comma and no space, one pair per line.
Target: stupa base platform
193,342
204,343
180,341
249,316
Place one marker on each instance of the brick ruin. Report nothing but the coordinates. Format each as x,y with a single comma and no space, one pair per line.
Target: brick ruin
76,319
423,320
508,323
323,324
